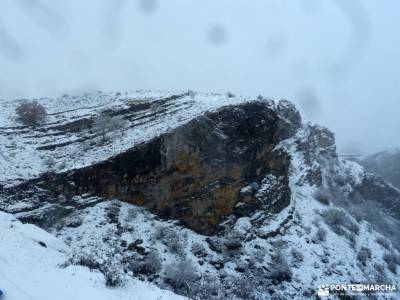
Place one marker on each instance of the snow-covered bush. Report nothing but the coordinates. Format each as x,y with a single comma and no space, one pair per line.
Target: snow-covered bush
383,242
133,213
368,211
50,162
182,276
215,244
338,221
279,268
364,255
198,250
100,255
112,271
320,235
297,257
233,242
31,113
170,238
243,287
279,244
191,94
113,210
106,124
259,255
392,260
252,282
85,260
323,196
86,145
209,287
113,275
149,266
380,275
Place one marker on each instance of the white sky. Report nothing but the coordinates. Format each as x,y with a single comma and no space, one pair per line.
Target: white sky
337,59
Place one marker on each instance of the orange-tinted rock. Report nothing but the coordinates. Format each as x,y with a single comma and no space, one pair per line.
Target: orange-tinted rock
196,172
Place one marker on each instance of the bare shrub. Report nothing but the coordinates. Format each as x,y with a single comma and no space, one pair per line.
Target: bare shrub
191,94
297,257
106,124
279,244
379,268
182,276
380,275
50,163
198,250
279,269
233,242
392,260
259,255
260,97
215,244
323,196
383,242
170,238
132,214
387,226
364,255
89,261
244,287
151,265
338,221
31,113
86,145
209,287
112,275
111,271
352,238
320,235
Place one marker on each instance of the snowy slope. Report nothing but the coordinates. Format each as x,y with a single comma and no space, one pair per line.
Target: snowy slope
30,260
156,113
322,236
333,260
231,262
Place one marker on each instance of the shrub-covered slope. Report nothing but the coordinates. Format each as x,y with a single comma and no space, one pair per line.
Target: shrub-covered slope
32,266
210,196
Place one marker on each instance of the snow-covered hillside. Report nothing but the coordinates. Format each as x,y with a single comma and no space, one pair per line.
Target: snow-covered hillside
385,164
292,215
31,263
66,138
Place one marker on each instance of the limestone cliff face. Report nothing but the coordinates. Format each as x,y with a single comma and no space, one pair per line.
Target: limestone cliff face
196,172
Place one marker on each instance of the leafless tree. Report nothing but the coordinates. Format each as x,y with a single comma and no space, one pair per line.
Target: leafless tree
106,124
31,113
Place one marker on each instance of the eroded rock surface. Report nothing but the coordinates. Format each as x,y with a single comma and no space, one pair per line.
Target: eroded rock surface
195,173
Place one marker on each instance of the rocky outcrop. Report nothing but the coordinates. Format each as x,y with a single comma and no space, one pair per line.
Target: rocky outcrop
374,188
385,164
290,119
195,173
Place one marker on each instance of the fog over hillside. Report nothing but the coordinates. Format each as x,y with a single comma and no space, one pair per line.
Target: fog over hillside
385,163
336,59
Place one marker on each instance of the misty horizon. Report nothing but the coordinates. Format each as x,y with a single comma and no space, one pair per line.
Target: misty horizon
336,60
